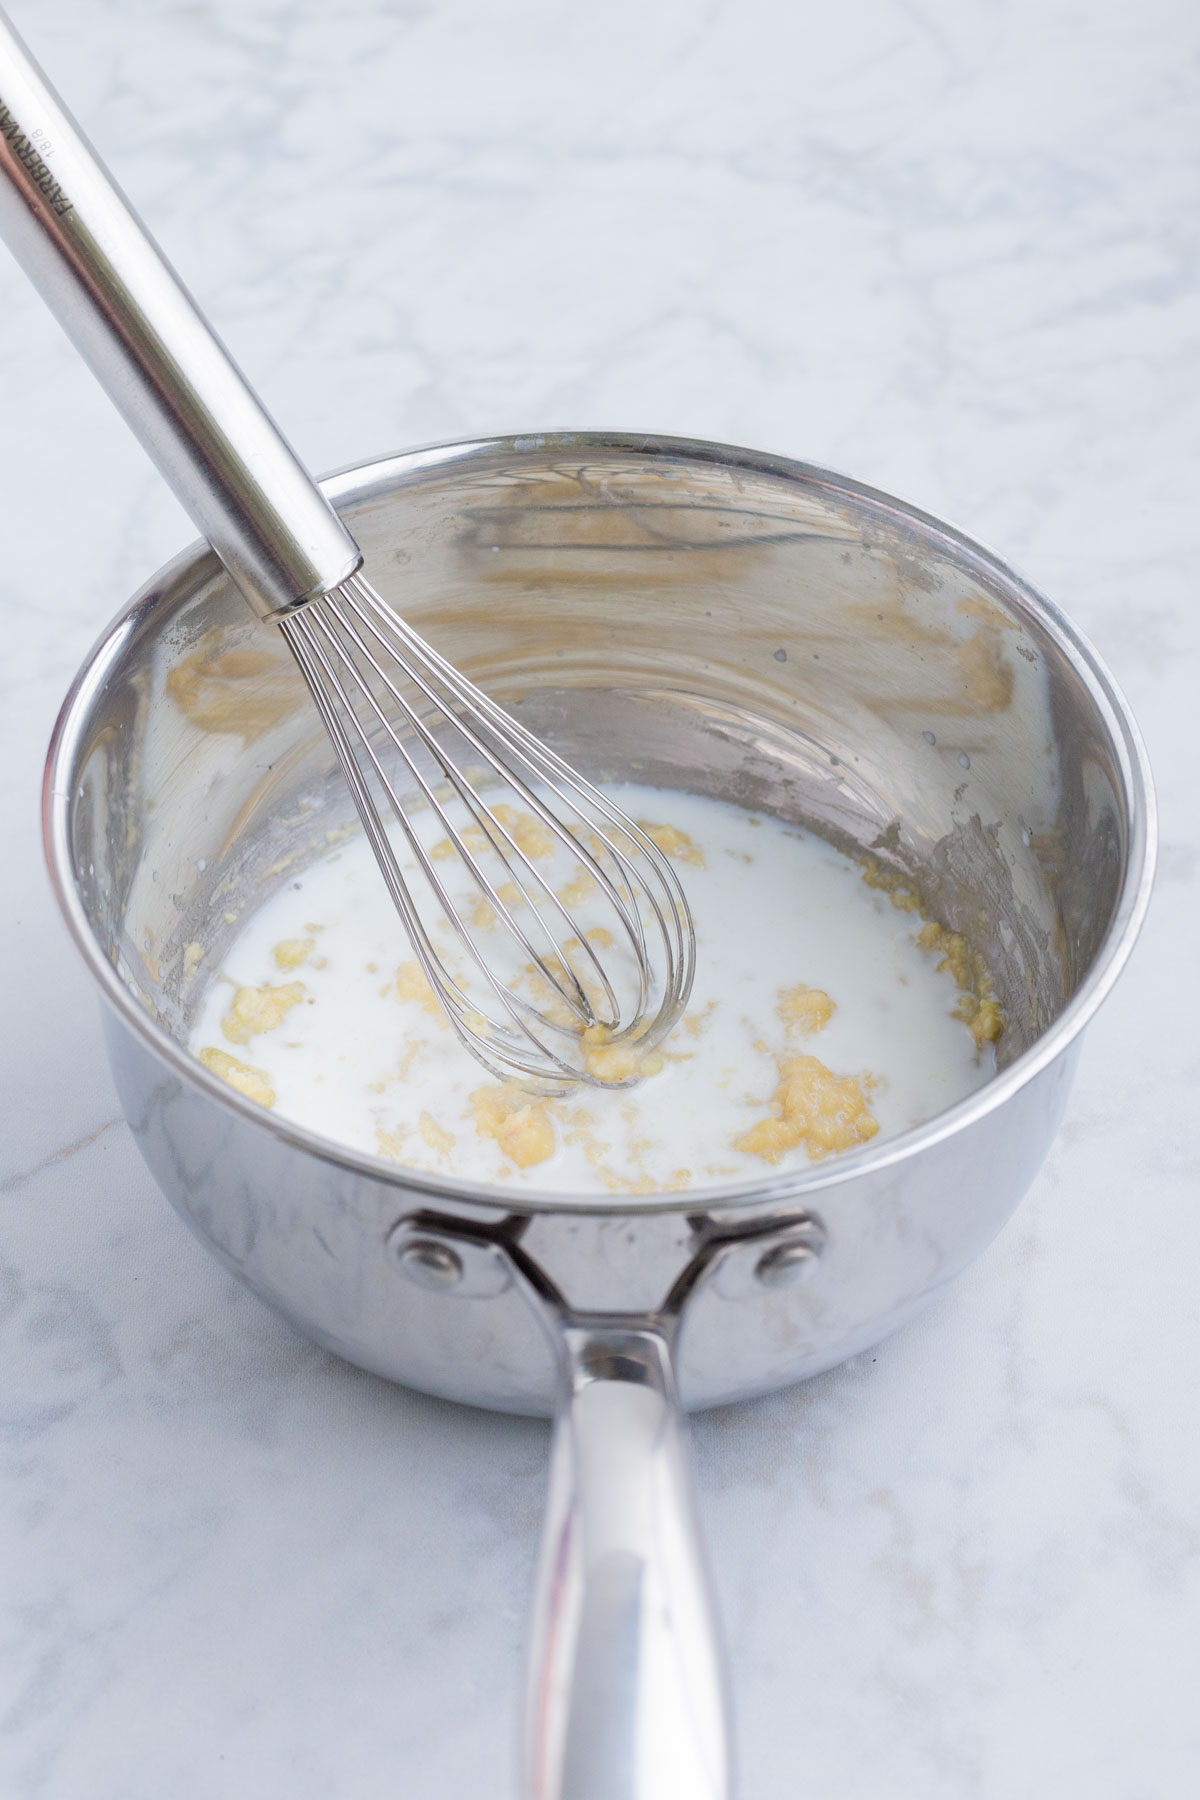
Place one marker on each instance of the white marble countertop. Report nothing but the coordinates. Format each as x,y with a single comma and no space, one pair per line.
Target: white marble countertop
951,249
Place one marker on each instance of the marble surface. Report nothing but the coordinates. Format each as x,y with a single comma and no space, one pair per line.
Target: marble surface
950,249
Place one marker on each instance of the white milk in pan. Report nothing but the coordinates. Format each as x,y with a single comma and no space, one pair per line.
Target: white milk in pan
826,1012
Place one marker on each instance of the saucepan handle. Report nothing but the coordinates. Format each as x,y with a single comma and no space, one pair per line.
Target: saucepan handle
627,1694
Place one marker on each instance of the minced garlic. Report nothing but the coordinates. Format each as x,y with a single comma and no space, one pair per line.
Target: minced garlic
804,1010
520,1125
413,984
254,1083
616,1062
674,843
435,1135
825,1112
977,1006
529,834
255,1010
291,952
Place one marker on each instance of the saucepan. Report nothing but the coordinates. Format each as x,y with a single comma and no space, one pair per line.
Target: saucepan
662,611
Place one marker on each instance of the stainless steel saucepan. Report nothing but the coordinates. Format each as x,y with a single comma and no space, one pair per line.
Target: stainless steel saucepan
663,611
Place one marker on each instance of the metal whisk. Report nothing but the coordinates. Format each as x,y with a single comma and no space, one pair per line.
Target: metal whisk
434,766
368,672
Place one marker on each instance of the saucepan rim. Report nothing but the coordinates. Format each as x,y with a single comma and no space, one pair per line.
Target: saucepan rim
197,564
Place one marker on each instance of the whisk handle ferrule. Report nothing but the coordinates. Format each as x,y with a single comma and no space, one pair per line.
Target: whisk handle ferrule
101,273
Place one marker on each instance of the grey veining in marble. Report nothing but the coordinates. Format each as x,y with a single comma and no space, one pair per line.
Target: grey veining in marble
949,248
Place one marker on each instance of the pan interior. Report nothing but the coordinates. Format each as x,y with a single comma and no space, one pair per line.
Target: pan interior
763,634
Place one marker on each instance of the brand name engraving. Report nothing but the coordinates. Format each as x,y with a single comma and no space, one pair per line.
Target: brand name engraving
26,152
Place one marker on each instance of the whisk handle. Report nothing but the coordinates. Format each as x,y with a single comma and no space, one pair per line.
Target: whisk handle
101,273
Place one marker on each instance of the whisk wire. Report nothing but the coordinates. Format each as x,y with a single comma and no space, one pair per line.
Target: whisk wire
516,862
362,663
531,1058
552,970
466,696
460,1007
538,756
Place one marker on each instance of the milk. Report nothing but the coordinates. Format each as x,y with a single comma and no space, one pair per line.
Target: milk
367,1062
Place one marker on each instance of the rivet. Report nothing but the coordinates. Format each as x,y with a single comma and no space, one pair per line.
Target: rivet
431,1265
786,1263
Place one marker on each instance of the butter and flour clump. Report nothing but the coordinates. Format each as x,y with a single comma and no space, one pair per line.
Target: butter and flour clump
823,1015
